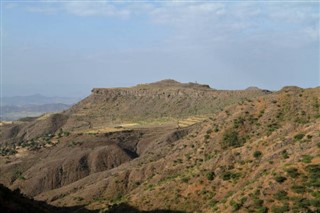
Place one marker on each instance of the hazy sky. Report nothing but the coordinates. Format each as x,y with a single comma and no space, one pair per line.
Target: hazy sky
65,48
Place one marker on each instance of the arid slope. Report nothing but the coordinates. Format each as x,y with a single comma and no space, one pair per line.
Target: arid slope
255,152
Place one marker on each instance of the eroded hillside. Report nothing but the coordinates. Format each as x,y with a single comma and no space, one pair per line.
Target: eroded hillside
147,104
216,151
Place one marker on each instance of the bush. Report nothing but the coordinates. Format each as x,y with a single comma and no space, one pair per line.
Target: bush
300,204
210,175
235,206
209,131
229,175
280,179
281,195
257,154
238,122
272,127
298,189
185,179
284,154
306,159
316,194
262,209
314,175
213,203
298,137
257,202
315,203
206,137
231,139
280,209
293,172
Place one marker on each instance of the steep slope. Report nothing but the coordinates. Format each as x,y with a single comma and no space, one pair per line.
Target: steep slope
157,103
15,202
104,110
163,100
259,154
256,156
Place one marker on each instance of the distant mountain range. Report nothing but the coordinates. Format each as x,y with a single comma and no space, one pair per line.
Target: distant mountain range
37,99
17,107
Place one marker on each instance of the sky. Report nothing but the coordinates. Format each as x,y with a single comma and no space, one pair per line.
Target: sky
66,48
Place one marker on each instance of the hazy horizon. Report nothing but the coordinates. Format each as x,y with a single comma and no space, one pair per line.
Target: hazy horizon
89,91
66,48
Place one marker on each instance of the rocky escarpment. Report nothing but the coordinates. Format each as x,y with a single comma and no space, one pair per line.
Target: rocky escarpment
161,100
164,100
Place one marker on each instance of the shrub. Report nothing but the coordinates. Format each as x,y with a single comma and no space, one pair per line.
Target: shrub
298,189
315,203
280,209
300,203
314,175
262,209
316,194
272,127
293,172
284,154
281,195
210,175
299,136
238,122
280,179
235,206
206,137
257,154
185,179
306,159
209,131
229,175
257,201
231,139
213,203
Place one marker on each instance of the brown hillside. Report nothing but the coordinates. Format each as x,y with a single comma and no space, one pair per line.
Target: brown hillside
259,154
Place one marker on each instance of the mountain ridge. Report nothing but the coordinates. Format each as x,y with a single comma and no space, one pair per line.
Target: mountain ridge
192,161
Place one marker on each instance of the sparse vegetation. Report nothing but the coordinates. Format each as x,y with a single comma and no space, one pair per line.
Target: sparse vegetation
257,154
4,151
228,175
298,189
281,195
249,157
285,154
210,175
231,138
293,172
306,158
280,179
280,209
298,137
